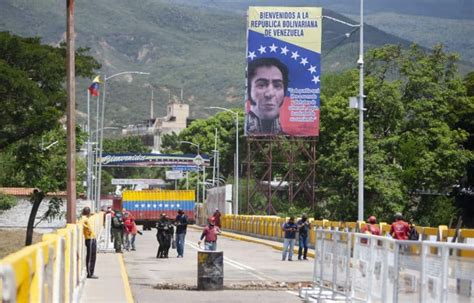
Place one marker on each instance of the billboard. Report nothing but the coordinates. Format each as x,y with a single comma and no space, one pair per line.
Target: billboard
283,71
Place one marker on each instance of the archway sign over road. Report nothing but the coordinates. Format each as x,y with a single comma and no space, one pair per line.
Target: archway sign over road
189,161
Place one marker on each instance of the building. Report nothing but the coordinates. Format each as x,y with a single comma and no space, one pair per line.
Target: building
153,129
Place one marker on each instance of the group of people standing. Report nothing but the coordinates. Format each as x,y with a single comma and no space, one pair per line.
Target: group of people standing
399,230
168,238
302,227
165,233
123,230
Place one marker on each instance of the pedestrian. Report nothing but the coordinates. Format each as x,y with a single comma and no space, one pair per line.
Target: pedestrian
399,229
181,223
117,230
413,233
217,217
303,234
90,241
209,234
134,232
370,228
164,235
290,229
128,226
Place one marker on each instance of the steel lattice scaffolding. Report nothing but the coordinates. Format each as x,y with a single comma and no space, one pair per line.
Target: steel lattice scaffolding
283,166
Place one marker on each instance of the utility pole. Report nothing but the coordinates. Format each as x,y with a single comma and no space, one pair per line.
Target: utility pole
152,111
71,121
358,103
214,166
360,63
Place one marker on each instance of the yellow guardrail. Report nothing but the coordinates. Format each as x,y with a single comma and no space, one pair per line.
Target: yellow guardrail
52,270
269,227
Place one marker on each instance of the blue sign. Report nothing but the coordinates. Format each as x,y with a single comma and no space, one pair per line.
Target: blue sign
185,168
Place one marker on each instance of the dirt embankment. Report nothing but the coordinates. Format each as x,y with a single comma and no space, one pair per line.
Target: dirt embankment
12,240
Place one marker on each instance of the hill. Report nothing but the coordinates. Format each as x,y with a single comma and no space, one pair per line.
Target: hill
452,9
428,31
194,52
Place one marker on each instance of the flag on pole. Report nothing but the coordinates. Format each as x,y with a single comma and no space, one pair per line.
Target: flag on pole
94,88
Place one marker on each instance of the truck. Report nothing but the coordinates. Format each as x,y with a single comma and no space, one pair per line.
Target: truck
146,206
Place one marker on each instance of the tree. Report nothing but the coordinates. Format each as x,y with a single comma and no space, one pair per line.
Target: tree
464,192
33,97
31,86
202,132
414,101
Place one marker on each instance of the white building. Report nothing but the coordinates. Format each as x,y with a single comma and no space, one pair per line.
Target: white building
153,129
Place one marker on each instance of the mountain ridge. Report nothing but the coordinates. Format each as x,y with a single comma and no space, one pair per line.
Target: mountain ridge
198,52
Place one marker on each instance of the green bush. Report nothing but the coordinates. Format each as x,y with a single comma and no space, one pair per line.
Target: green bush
6,201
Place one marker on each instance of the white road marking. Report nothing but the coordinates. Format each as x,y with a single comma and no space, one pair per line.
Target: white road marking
293,293
236,264
240,264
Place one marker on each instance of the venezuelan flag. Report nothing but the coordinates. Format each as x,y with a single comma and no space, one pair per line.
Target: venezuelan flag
94,88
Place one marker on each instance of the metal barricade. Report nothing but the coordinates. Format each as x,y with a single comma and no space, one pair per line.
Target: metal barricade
360,267
104,241
331,264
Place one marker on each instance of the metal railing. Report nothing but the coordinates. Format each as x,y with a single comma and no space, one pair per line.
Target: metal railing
269,227
52,270
365,268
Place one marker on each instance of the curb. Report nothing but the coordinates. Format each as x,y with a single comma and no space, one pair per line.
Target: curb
126,283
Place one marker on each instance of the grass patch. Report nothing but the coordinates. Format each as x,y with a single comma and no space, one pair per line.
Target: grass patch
12,240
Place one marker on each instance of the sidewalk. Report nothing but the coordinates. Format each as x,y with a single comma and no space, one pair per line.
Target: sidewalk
112,284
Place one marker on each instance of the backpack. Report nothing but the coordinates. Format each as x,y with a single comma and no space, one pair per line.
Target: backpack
413,234
117,222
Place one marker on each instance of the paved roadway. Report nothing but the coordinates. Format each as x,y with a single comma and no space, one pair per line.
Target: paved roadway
250,269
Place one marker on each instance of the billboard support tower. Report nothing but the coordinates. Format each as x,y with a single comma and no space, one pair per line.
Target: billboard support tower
296,185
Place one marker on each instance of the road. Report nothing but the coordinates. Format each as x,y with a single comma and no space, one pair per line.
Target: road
251,272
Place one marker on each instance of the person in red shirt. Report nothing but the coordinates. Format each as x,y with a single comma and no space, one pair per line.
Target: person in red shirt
370,228
209,234
217,218
130,231
399,229
128,221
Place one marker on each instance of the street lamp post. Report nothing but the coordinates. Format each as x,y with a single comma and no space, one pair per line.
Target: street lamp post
194,144
358,103
89,149
90,158
101,130
215,169
199,153
360,62
236,163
